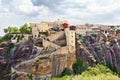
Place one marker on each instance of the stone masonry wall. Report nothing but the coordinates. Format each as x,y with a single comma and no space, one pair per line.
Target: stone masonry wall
56,36
49,44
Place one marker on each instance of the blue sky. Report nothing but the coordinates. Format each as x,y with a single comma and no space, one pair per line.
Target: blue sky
18,12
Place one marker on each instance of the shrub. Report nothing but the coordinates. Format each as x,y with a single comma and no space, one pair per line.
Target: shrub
18,38
38,35
78,66
111,66
79,36
66,71
11,46
7,37
98,69
1,39
101,52
94,35
47,32
98,72
61,78
3,74
30,76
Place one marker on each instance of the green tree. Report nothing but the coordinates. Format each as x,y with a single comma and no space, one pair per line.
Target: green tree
96,70
15,29
7,37
47,32
79,36
78,66
18,38
30,76
1,39
25,29
94,35
111,66
66,71
10,29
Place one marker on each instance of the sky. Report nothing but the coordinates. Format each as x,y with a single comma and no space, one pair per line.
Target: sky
18,12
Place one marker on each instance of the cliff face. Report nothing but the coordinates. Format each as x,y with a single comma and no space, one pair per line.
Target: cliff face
103,53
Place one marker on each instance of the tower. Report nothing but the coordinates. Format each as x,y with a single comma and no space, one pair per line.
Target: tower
70,37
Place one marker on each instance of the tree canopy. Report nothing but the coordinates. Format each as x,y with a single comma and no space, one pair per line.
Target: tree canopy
25,29
10,29
78,67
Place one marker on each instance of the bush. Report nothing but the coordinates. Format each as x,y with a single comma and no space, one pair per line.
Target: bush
66,71
1,39
94,35
11,46
78,66
18,38
111,66
7,37
61,78
3,74
38,35
98,69
98,72
79,36
30,76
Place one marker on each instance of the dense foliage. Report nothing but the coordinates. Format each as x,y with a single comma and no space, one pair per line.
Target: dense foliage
111,66
66,71
99,72
78,66
25,29
11,29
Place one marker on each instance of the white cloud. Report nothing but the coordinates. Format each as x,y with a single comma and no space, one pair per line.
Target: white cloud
17,12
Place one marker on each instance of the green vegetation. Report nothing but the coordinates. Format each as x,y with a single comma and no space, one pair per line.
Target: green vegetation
7,37
66,71
11,29
1,39
101,52
18,38
94,35
39,45
62,78
78,67
111,66
11,46
4,74
98,72
38,35
83,41
30,76
47,32
79,36
25,29
43,57
112,27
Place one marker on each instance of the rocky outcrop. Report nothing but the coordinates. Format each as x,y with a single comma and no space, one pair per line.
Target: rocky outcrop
101,52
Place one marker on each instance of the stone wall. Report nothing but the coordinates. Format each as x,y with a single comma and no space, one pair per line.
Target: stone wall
56,36
49,44
38,27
